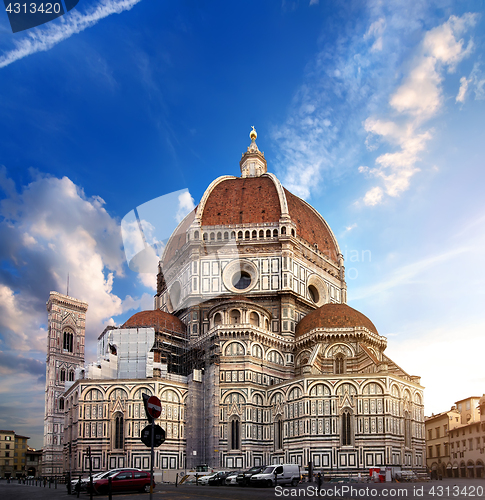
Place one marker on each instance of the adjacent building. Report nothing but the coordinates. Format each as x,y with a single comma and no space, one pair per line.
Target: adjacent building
251,347
455,440
13,450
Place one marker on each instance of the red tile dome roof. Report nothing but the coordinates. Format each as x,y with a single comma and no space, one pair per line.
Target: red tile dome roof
160,320
254,200
334,316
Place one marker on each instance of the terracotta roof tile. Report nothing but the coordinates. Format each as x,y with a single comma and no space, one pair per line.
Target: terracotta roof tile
242,201
160,320
334,316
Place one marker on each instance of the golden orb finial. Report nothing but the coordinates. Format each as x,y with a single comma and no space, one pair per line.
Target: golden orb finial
253,134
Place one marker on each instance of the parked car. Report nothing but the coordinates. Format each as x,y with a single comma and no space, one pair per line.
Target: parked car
284,473
231,479
204,480
125,480
219,478
97,475
243,478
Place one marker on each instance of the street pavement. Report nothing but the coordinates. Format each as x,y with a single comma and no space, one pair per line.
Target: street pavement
431,490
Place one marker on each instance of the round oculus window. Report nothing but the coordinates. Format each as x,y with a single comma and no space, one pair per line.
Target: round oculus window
241,280
313,292
240,276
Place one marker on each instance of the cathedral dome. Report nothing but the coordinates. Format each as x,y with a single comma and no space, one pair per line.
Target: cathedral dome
334,316
159,320
231,201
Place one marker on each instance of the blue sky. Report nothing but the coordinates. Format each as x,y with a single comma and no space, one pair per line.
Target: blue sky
372,111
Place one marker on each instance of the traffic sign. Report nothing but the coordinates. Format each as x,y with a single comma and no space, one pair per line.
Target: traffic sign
146,436
154,407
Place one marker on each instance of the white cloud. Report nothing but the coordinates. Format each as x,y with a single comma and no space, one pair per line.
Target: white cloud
417,99
49,230
45,37
186,205
373,196
463,89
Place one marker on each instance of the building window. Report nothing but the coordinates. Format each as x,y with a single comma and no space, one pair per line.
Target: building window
278,434
67,341
61,404
346,429
118,434
71,376
339,364
63,375
407,430
235,434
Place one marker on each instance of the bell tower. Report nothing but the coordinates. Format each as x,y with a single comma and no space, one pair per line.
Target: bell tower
65,352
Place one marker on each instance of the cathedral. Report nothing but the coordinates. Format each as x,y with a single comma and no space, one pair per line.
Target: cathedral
251,348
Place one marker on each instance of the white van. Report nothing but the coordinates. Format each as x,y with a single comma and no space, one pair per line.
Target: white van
284,473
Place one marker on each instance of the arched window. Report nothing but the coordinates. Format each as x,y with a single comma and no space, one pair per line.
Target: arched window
235,316
71,376
196,235
218,319
268,233
275,357
61,404
346,429
118,432
67,345
204,237
254,319
226,235
219,236
261,233
407,430
257,351
234,349
235,434
246,235
254,234
63,375
339,364
278,434
275,233
233,235
212,237
239,235
293,232
283,230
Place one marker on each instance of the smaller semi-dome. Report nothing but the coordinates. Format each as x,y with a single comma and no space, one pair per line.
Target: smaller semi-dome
334,316
159,320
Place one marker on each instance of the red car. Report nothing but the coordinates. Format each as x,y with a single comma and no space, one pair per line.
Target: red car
125,480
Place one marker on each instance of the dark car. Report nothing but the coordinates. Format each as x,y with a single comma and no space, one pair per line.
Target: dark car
219,478
125,480
243,479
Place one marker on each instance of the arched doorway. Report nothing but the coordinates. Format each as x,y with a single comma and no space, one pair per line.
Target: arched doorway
479,468
449,471
470,469
456,472
462,469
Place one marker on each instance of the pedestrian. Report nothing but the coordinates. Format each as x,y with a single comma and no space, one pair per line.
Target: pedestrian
319,482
